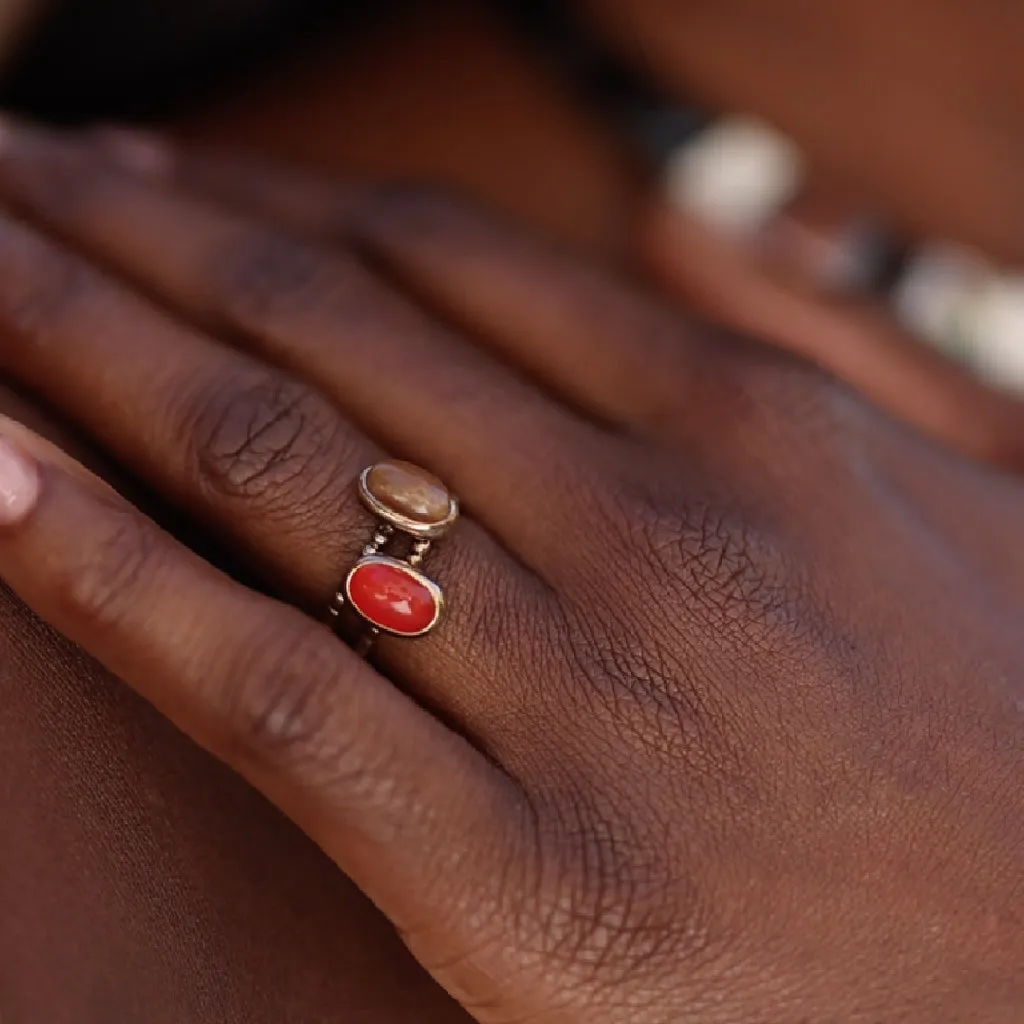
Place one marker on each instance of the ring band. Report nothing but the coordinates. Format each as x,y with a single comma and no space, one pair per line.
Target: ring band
386,589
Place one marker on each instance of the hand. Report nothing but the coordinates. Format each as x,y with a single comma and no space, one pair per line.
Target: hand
854,337
917,104
133,868
724,723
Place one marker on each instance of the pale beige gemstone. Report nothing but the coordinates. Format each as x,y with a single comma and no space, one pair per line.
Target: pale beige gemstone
410,491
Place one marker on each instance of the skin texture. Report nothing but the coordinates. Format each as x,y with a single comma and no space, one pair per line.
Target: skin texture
130,860
167,846
470,107
181,890
739,741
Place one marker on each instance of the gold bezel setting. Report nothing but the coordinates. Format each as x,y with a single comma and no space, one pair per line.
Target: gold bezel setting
437,595
400,522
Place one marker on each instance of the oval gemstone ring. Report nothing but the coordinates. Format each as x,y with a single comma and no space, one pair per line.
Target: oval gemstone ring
386,588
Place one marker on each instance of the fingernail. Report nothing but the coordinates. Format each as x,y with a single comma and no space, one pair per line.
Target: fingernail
136,152
19,484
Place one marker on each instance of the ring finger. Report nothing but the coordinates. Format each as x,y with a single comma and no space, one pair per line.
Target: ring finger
416,386
261,456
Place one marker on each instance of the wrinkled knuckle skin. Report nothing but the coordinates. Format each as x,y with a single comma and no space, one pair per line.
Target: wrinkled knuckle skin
608,898
113,572
272,443
481,600
712,556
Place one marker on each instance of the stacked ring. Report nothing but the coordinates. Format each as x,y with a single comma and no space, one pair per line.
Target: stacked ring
386,587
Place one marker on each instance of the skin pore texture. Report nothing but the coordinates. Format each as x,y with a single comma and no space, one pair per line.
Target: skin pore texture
730,731
142,881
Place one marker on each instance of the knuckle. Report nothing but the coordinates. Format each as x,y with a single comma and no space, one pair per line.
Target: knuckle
608,896
261,276
269,440
45,288
275,704
288,706
114,567
774,412
720,556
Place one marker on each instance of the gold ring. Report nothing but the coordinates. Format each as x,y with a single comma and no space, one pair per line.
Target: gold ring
386,588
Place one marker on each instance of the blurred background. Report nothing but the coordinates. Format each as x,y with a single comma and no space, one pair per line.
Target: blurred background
526,105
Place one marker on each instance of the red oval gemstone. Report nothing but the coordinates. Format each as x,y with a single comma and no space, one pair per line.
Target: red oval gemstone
392,597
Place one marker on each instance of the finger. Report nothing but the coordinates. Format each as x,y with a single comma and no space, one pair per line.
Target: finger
313,206
183,411
258,455
544,311
390,794
414,386
855,340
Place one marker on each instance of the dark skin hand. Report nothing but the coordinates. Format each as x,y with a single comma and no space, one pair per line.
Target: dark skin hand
141,881
916,103
915,107
724,723
853,336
